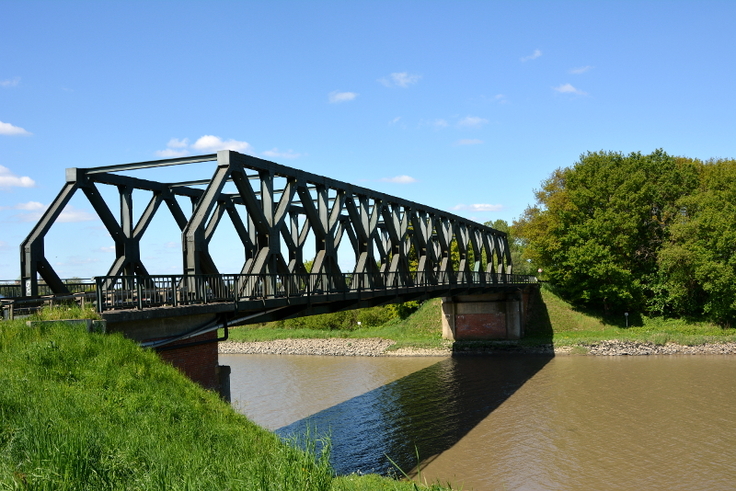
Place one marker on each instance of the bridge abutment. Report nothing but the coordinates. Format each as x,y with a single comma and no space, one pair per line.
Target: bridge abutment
489,316
196,356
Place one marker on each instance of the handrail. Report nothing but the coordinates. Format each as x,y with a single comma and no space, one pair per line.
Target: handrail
140,292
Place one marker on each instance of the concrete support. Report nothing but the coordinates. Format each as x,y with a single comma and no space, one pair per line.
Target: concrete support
485,317
198,361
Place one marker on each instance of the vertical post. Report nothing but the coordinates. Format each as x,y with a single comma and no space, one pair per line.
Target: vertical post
123,246
139,292
100,298
174,292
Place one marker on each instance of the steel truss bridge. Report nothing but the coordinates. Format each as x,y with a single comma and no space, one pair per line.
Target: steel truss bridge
402,250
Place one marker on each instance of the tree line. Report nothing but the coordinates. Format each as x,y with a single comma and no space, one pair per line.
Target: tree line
649,233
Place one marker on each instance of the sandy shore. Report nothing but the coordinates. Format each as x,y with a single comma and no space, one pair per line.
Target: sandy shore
378,347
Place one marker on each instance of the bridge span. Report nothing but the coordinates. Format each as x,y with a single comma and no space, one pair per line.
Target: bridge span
400,251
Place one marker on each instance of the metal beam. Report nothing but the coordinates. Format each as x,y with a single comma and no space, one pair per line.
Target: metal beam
274,224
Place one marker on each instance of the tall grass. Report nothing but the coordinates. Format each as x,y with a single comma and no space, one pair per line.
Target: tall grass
64,312
83,411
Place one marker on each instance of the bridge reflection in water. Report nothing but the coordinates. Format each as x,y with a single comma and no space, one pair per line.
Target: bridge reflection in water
424,413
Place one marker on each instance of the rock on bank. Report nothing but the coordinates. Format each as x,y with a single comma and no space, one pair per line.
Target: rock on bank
378,347
324,347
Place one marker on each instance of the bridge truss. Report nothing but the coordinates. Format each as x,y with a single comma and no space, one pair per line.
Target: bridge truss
274,210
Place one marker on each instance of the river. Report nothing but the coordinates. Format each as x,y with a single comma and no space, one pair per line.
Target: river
508,422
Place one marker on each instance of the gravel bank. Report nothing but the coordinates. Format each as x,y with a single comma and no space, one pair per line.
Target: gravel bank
378,347
324,347
633,348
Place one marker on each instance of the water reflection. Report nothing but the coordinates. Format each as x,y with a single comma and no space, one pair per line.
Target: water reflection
426,412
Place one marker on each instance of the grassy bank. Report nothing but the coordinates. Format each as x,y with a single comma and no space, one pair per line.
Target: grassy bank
553,321
83,411
558,322
422,329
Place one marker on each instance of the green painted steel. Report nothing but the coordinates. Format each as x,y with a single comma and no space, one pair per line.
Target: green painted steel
274,211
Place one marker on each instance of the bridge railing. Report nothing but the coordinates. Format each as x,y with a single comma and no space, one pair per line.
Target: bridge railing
14,289
134,292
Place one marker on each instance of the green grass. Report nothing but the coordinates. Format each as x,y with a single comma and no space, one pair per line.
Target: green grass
62,312
82,411
570,326
422,329
553,321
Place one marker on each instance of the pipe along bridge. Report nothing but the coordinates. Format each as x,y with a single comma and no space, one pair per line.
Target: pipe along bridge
398,250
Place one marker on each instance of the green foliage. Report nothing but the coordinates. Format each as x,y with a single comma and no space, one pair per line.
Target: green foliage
598,226
517,247
348,320
402,310
339,321
698,265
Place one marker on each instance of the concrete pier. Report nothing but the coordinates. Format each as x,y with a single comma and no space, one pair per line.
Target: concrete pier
486,317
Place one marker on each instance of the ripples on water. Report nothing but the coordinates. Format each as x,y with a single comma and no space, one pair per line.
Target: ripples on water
511,422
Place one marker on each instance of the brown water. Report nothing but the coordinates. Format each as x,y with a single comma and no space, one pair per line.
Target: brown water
509,423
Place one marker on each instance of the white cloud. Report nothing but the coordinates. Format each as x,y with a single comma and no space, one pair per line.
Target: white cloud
395,120
336,96
10,82
177,143
8,179
107,248
175,148
4,246
478,207
399,179
437,123
71,214
537,53
276,153
33,211
30,206
10,130
472,122
171,153
400,79
469,141
211,143
579,70
568,89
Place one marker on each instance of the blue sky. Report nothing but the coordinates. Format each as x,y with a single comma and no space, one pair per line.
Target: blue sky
464,106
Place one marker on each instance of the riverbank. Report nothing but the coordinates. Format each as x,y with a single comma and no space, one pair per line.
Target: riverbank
83,411
553,327
381,347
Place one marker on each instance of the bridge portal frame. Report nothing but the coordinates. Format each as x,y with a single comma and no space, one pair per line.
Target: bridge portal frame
283,208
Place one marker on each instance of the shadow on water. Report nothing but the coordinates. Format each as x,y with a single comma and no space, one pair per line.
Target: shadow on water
426,412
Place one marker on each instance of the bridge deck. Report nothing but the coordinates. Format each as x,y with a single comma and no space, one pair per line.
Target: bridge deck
262,298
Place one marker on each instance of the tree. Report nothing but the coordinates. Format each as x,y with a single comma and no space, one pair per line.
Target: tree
698,264
597,226
517,245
